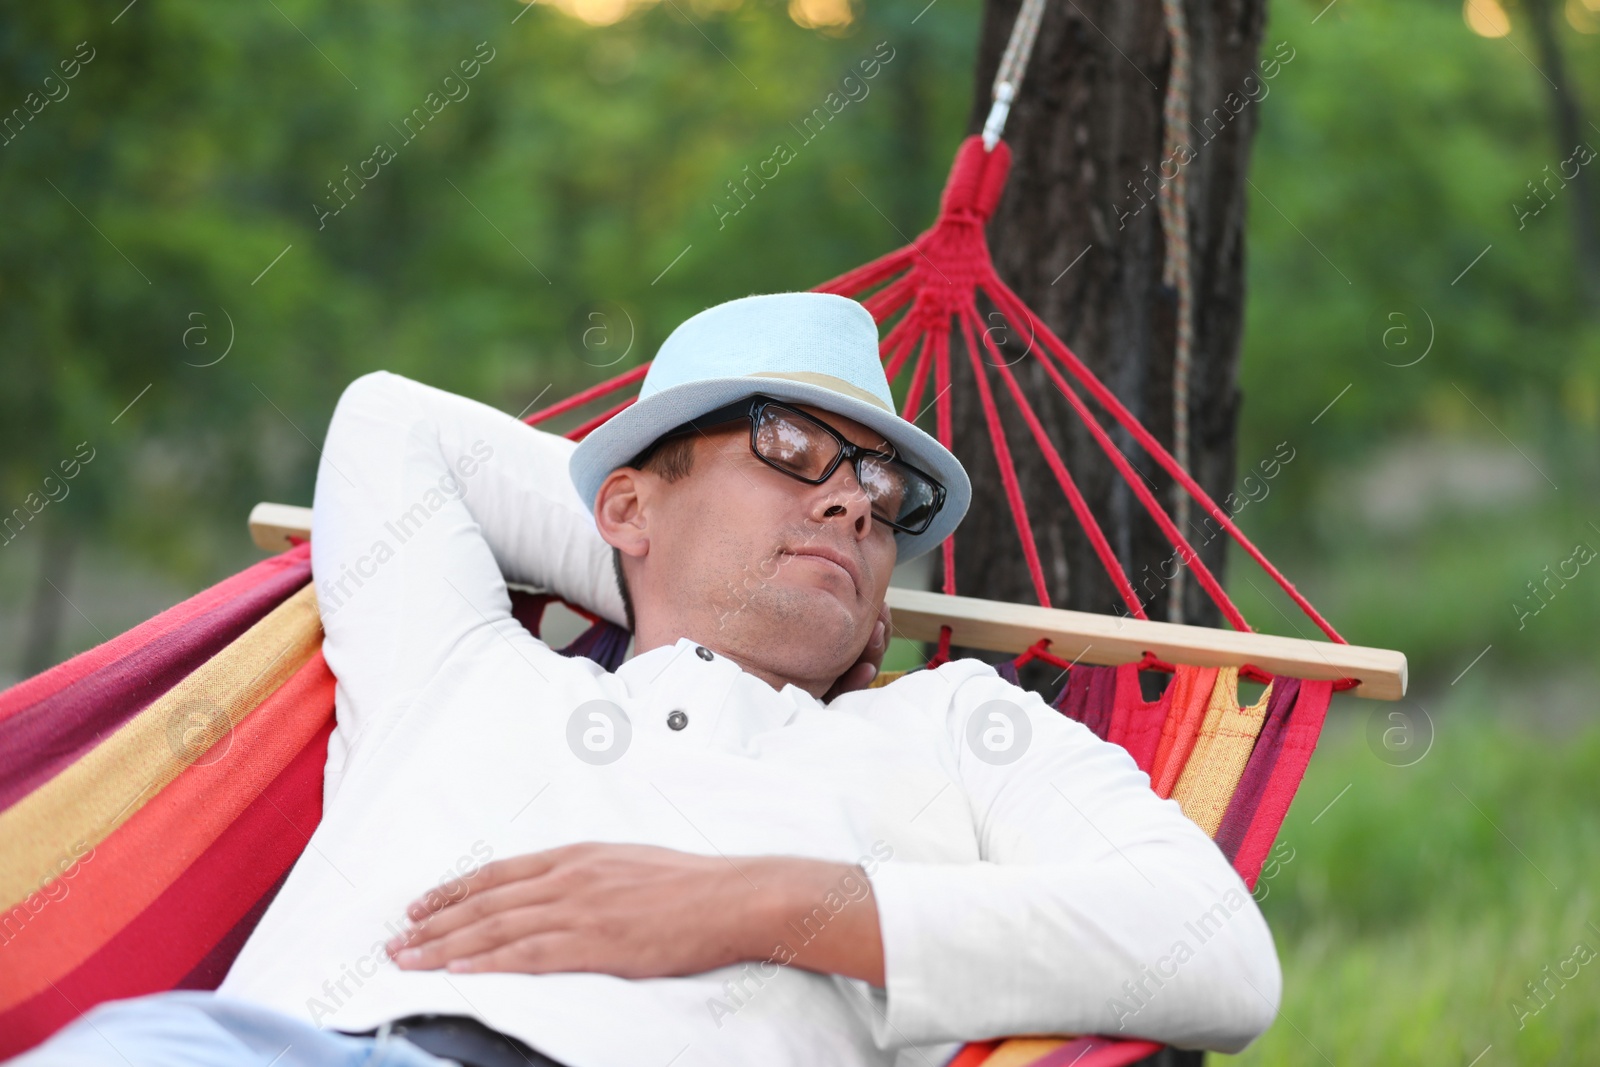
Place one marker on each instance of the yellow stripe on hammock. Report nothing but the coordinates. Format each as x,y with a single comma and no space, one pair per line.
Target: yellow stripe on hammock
1227,737
101,790
1021,1051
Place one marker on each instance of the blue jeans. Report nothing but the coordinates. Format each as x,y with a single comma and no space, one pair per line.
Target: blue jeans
186,1028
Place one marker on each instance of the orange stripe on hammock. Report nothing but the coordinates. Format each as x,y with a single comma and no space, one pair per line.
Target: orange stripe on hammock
204,915
134,865
1186,712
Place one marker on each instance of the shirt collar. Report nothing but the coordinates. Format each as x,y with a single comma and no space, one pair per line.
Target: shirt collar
647,668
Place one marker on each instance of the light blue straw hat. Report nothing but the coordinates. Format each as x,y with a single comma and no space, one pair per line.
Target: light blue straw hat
807,348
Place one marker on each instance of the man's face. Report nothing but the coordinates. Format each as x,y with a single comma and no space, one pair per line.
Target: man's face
785,576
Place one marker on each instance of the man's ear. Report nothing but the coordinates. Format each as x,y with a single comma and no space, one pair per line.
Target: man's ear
619,511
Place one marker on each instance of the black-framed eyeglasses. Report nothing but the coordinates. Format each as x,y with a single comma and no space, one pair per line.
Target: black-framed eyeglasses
809,450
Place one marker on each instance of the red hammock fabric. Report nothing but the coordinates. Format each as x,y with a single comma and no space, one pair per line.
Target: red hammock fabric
1135,722
47,735
40,687
167,898
207,852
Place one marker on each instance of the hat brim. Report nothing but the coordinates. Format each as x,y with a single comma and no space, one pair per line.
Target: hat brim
623,436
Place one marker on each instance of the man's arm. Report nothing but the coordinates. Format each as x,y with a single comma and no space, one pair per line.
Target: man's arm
1098,907
425,503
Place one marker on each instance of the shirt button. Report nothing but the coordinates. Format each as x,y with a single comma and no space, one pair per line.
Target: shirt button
677,720
703,652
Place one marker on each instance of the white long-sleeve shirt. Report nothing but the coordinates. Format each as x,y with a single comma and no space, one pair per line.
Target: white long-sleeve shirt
1052,894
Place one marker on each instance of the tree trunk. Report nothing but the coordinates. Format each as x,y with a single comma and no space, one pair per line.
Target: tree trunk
56,551
1570,133
1087,138
1088,145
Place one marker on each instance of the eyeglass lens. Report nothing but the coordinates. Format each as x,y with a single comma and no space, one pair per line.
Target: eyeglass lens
805,448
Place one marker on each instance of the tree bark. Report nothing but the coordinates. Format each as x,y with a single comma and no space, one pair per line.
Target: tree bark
57,549
1567,116
1087,138
1088,146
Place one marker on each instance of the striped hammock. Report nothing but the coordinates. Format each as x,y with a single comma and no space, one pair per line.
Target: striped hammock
156,790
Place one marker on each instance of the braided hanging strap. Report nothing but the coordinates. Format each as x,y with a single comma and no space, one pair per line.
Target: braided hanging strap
1173,204
1013,64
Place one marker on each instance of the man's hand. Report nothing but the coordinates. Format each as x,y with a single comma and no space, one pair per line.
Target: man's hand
639,911
865,669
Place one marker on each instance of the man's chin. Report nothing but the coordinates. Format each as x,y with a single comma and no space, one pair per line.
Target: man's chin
822,597
811,620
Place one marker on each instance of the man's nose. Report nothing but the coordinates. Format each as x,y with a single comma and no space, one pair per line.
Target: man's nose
841,497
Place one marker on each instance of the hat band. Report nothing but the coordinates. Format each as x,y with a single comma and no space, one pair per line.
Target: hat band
827,381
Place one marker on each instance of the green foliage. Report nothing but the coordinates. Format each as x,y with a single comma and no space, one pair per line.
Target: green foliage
1391,153
516,237
550,226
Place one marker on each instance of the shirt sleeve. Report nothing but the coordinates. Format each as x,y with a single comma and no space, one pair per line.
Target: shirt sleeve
426,504
1098,907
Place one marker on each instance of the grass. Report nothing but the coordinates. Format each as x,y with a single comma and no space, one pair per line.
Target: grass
1417,906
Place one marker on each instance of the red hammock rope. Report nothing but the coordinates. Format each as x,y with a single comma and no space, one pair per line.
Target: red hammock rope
576,400
933,286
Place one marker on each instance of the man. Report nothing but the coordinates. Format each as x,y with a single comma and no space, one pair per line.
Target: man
696,859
